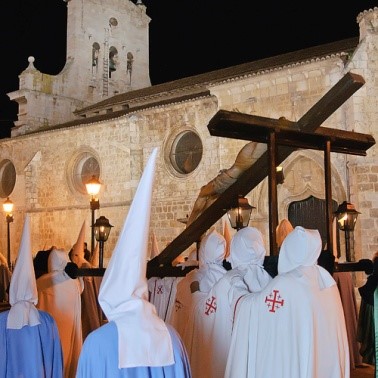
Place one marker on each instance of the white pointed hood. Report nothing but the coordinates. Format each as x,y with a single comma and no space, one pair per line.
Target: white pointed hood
78,248
143,338
23,295
283,229
95,256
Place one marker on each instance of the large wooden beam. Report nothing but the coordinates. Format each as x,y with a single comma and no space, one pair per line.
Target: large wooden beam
245,126
310,122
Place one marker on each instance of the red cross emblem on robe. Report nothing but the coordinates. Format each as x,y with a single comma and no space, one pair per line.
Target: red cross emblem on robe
210,305
274,301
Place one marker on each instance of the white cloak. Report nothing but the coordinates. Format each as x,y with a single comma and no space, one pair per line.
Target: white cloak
291,329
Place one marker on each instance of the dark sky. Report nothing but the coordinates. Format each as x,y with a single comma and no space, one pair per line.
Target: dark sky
186,37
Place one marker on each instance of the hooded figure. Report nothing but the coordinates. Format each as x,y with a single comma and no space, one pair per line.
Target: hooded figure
95,256
91,314
247,253
211,254
60,295
294,327
29,338
283,229
97,280
135,342
77,253
213,316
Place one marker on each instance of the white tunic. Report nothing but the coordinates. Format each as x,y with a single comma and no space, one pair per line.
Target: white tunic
59,295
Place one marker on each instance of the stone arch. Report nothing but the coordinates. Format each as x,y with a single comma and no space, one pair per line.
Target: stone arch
304,177
95,56
113,60
129,65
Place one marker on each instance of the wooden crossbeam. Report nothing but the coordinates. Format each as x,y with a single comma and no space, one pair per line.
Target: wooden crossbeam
245,126
309,123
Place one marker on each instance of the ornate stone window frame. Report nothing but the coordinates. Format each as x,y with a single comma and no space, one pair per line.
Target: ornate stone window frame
7,178
180,160
84,164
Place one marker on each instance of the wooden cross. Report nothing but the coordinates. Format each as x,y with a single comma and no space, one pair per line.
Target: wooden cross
306,133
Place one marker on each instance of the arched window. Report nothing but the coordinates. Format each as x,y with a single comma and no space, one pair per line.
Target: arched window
95,54
113,57
130,60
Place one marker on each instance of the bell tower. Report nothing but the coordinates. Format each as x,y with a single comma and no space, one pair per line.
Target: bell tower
107,54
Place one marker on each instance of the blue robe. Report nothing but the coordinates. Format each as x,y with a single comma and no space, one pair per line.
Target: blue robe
33,352
99,357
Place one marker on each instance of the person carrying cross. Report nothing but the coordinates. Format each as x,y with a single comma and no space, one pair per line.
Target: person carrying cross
295,326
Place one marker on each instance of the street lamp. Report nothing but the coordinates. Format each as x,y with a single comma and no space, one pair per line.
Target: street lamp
240,214
346,215
101,230
280,177
8,208
93,188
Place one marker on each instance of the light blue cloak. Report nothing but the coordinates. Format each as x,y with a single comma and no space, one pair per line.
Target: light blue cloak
33,352
99,358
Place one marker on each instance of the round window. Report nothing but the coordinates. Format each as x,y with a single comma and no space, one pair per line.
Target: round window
85,167
7,177
113,21
186,152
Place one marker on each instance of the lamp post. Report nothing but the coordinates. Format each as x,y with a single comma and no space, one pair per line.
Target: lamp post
93,188
8,207
240,214
347,215
101,230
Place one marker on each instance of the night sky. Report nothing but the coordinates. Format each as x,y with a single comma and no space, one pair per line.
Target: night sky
186,37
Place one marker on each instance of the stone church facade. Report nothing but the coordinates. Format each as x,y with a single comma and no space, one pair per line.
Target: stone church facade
101,116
